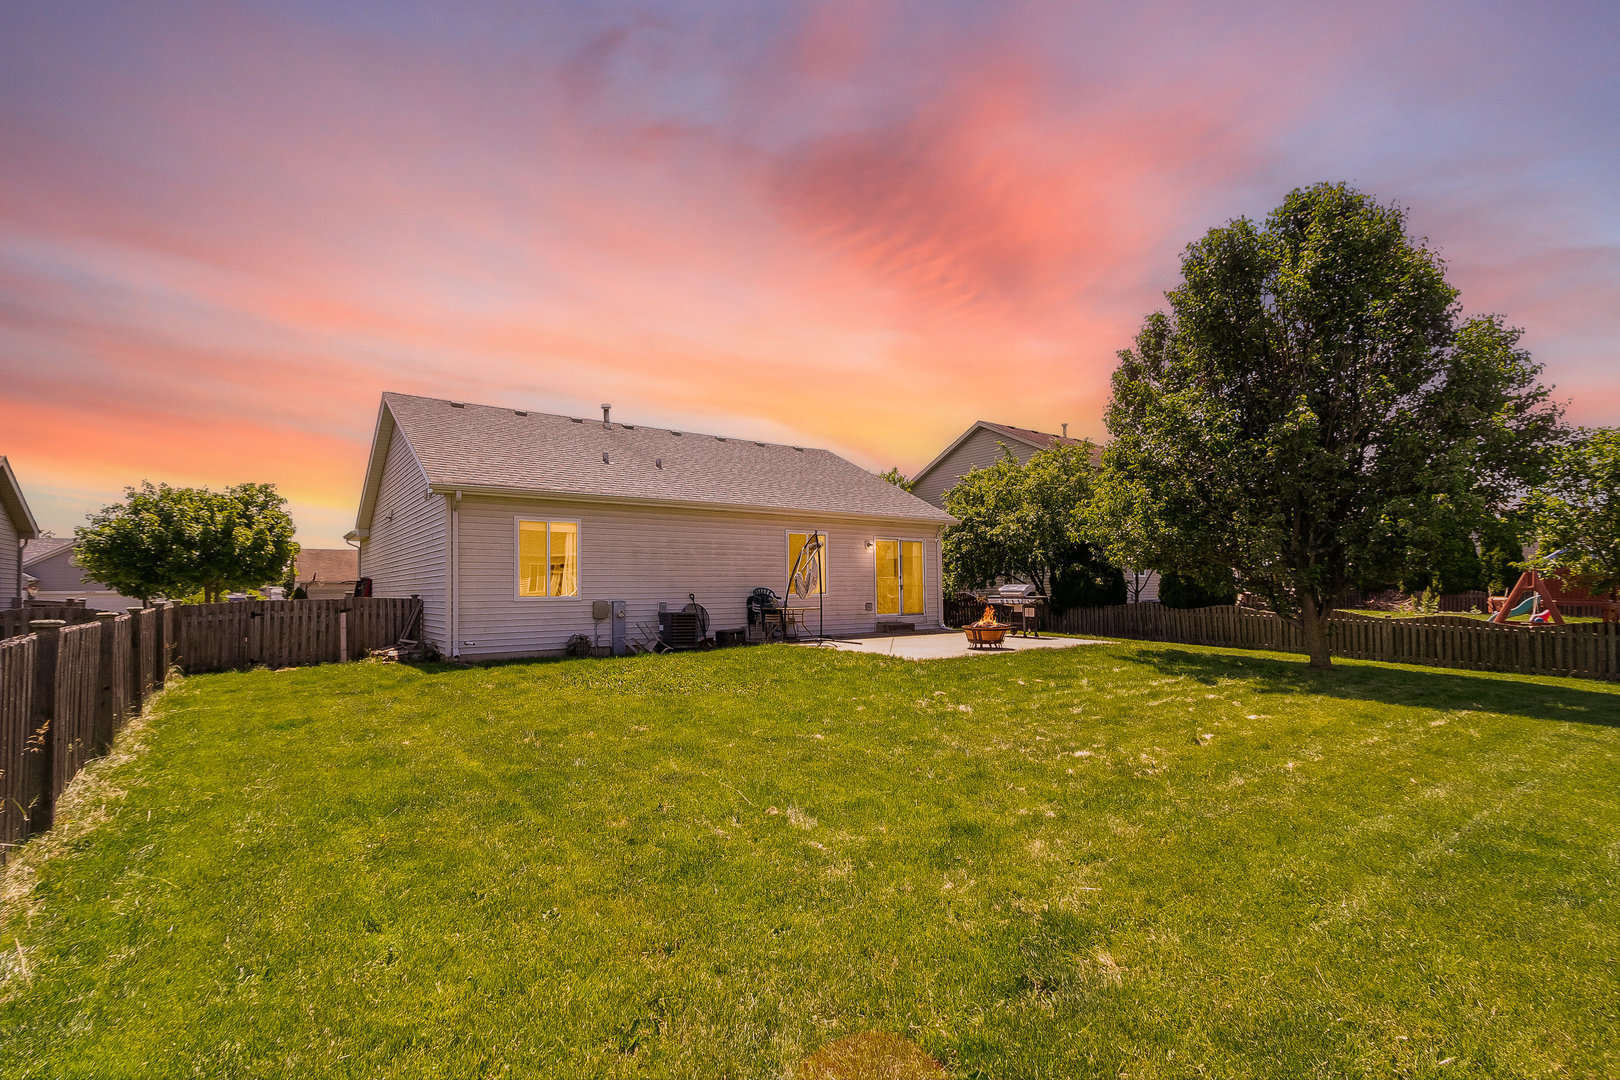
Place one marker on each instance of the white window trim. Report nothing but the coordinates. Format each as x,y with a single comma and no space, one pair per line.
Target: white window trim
787,567
900,555
517,555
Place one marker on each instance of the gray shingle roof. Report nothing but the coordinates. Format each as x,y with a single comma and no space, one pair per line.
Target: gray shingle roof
326,564
44,547
1042,439
483,446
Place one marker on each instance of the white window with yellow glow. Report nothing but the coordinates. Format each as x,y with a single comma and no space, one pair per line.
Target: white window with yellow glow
806,564
547,558
899,577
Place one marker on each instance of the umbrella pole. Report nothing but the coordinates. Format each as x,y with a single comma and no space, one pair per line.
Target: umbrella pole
821,595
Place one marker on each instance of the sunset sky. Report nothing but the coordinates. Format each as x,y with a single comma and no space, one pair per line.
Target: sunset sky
225,229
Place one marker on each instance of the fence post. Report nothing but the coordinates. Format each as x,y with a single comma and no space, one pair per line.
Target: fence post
343,637
137,684
37,802
161,629
106,694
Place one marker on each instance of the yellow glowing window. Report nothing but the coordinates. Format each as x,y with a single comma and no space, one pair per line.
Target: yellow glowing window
911,577
548,558
899,577
807,563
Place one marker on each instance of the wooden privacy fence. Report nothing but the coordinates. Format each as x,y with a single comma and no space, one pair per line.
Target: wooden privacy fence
67,689
1582,650
288,633
14,621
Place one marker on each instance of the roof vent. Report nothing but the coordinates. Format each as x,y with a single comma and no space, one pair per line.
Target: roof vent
800,449
458,404
605,410
759,444
575,420
658,463
675,433
720,438
605,460
1065,431
628,427
519,412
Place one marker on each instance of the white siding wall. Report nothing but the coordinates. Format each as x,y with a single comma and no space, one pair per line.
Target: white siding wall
978,451
405,553
644,555
10,583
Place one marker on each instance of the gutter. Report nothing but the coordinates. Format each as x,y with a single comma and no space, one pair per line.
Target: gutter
495,492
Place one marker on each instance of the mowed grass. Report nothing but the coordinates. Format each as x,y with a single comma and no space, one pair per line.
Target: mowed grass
1128,860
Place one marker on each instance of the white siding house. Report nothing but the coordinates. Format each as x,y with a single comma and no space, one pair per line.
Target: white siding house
16,526
461,501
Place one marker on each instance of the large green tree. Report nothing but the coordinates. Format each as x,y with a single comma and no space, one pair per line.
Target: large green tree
164,540
1575,515
1027,521
1312,408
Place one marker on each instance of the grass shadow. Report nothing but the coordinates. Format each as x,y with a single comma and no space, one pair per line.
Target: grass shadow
1397,685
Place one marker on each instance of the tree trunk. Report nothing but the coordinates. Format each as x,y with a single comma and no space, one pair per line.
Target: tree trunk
1313,623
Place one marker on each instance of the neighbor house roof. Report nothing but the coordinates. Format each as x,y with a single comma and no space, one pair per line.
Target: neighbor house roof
326,564
44,547
484,448
1040,440
13,503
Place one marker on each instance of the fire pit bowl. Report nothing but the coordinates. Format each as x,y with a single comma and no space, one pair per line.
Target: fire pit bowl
986,637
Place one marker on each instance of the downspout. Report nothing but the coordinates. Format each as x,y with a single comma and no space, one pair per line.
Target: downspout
939,574
359,556
455,576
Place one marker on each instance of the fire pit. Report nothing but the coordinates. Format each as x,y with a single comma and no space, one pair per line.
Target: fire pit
987,633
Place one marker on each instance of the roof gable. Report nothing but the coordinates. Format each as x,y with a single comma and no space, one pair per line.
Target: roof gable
461,446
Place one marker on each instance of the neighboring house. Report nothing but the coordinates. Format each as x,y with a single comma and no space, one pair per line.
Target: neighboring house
981,446
327,573
53,573
17,525
509,524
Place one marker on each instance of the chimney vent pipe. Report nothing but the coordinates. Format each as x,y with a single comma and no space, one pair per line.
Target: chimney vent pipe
1065,431
605,410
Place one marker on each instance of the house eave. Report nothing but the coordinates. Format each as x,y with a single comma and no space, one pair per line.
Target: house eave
503,492
15,505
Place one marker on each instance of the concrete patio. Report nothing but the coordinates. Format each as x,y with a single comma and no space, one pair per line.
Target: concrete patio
940,645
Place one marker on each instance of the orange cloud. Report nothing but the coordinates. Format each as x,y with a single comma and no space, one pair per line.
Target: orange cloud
859,225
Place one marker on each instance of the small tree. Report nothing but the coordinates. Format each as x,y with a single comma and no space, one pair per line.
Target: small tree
1575,515
1312,409
1027,521
173,541
897,478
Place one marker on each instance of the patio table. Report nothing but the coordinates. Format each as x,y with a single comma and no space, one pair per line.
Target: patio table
793,620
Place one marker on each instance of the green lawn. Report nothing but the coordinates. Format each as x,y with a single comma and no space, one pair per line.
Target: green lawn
1132,860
